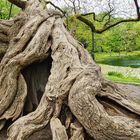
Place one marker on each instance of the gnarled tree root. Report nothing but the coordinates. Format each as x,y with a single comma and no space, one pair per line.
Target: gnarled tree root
95,106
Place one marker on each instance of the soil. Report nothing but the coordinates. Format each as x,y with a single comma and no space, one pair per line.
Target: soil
44,134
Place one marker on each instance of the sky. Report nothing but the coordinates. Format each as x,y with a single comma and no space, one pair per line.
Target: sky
122,8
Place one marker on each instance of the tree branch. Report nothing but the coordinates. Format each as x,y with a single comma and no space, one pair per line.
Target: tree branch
117,23
105,27
19,3
49,2
94,16
137,9
87,22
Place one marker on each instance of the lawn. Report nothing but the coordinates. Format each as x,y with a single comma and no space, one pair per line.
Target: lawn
122,69
120,78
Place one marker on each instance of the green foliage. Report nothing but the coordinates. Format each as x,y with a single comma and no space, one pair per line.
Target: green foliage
119,77
5,9
123,37
114,73
83,34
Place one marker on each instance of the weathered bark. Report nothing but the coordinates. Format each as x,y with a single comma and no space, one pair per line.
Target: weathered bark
4,35
58,130
77,131
39,42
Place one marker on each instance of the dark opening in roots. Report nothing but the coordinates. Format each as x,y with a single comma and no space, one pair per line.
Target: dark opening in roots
36,76
115,109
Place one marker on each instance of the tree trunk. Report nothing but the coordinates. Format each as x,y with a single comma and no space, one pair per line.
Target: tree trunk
47,76
93,45
10,11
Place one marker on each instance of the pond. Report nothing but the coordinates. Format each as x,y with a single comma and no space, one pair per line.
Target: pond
125,61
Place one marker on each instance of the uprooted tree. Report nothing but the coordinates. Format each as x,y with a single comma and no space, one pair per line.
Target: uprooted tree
47,77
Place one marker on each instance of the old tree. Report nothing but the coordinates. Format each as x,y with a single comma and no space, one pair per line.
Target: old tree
48,78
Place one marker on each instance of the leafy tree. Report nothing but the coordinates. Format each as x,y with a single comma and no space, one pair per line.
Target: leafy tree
123,37
5,8
81,10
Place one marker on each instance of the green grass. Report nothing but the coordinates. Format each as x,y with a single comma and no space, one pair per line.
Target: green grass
132,59
120,78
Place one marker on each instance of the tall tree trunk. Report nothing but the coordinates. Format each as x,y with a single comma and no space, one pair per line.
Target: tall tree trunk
48,72
93,45
10,11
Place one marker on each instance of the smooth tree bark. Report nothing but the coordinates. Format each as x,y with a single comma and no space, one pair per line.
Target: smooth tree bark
46,76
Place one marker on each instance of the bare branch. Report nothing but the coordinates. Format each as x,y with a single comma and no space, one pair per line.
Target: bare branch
137,9
74,6
108,13
19,3
49,2
94,16
107,25
87,22
117,23
122,21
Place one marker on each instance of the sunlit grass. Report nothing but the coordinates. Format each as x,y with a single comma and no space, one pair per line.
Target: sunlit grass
119,77
132,59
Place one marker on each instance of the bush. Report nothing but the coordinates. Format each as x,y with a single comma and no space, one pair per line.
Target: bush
114,73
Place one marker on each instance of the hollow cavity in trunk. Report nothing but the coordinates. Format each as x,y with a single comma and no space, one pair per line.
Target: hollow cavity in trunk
36,76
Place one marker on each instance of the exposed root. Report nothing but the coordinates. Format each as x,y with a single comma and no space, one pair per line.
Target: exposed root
17,58
5,26
32,122
15,110
2,123
58,130
90,112
77,132
69,118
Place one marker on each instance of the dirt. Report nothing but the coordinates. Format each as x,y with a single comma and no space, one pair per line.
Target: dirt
45,134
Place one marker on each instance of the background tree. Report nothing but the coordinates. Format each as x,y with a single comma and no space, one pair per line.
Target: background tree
6,10
109,9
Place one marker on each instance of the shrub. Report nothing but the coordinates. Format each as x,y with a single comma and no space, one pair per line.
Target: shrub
114,73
